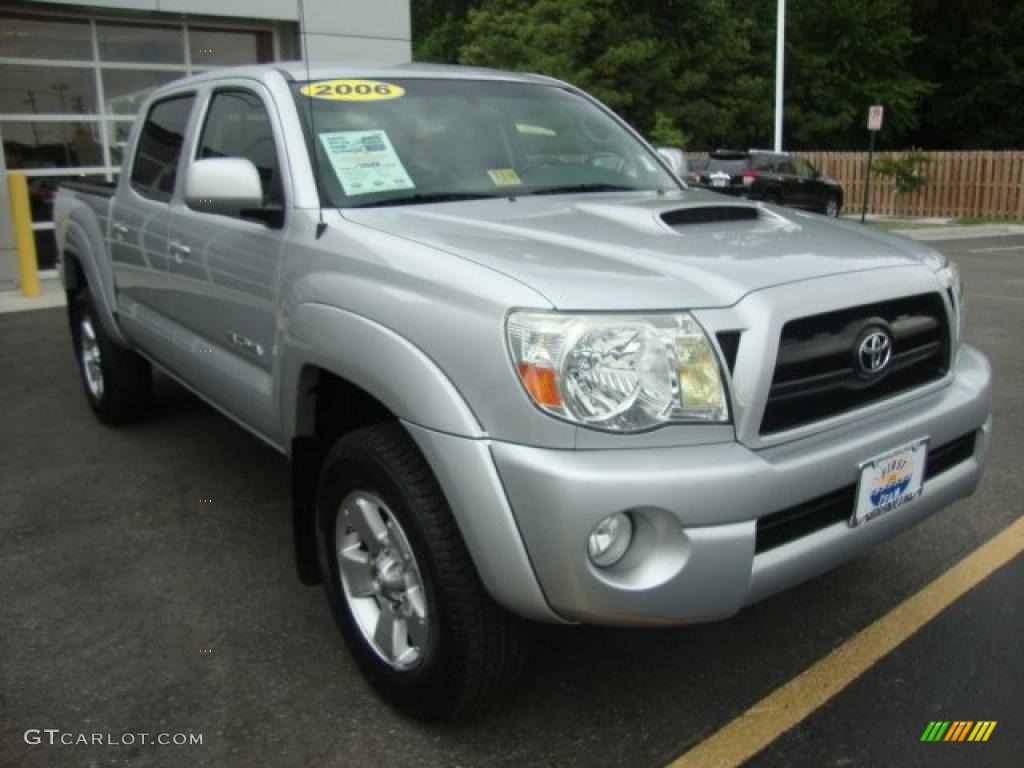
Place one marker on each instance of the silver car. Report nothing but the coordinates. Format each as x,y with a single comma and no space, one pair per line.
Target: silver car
521,372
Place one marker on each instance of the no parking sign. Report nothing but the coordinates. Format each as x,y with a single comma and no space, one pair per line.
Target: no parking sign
875,114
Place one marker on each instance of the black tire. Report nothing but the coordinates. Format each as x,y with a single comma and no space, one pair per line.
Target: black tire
832,206
126,380
773,198
474,650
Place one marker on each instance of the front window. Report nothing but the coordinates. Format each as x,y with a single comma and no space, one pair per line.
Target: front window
410,140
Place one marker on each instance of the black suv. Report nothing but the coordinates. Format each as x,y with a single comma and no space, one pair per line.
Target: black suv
774,177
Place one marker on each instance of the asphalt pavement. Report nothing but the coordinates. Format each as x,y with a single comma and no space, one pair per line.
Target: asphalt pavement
147,586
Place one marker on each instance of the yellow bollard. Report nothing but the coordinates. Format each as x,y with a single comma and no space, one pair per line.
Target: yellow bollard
24,238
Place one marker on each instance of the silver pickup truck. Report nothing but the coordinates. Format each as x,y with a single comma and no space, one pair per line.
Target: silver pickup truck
521,372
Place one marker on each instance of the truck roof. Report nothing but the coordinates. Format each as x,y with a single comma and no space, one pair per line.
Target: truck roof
347,69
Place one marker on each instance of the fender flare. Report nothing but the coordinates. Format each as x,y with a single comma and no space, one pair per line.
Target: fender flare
370,356
414,388
79,243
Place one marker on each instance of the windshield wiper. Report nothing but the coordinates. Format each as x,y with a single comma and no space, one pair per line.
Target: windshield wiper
432,197
571,188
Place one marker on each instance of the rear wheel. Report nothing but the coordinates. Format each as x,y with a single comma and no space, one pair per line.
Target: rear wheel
118,383
832,207
401,584
773,198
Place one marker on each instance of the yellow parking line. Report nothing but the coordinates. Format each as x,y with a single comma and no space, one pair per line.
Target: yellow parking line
788,705
994,297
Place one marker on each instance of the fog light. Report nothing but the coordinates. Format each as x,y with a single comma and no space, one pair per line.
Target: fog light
610,539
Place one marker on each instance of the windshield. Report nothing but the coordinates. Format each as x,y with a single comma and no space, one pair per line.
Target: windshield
728,165
411,140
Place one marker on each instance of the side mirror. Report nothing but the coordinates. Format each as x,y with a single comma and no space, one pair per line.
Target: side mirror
675,158
225,185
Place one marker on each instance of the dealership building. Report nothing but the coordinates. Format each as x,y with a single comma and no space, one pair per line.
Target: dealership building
73,74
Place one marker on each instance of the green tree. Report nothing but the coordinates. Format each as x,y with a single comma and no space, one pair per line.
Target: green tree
973,51
439,29
703,70
841,58
907,171
590,43
674,69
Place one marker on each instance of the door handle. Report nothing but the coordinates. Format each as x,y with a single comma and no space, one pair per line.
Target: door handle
119,227
179,250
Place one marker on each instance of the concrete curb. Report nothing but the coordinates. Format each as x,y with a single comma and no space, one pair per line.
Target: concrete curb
51,295
960,233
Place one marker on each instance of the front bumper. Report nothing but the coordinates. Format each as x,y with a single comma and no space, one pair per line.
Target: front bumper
696,508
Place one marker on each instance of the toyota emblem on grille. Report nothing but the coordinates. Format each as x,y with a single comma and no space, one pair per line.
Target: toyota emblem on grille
875,351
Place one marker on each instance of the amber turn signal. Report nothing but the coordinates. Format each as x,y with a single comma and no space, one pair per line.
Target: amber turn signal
541,383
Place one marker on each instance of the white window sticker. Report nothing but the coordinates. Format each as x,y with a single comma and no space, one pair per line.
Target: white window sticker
365,162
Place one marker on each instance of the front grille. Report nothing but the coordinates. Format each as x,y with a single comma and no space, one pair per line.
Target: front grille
949,455
817,374
797,521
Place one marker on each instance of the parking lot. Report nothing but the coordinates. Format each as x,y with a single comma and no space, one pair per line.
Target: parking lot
147,585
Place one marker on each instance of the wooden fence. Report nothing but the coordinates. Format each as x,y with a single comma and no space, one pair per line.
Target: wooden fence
979,183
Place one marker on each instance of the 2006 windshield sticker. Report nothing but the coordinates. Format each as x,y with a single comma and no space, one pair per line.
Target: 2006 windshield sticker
353,90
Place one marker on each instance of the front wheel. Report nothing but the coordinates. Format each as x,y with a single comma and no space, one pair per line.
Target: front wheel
832,207
401,584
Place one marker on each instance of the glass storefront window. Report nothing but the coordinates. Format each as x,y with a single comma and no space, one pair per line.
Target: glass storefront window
51,116
28,90
32,37
228,47
126,89
133,42
118,134
46,248
51,145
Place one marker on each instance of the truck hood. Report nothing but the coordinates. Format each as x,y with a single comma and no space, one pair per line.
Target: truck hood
615,251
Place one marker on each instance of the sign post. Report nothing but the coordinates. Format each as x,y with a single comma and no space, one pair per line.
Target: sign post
875,114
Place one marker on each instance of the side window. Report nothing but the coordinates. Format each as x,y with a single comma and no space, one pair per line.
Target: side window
785,166
803,168
155,165
237,125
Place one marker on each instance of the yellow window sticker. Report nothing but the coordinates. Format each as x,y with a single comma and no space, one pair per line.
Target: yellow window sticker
353,90
504,177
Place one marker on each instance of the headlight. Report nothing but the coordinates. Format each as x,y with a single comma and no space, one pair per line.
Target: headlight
618,373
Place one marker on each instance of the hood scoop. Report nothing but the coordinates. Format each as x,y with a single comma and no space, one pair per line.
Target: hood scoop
706,214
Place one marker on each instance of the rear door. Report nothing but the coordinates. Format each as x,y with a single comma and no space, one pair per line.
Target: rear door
139,221
789,182
224,270
813,190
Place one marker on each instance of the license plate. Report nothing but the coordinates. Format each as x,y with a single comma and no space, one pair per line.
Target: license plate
889,481
719,182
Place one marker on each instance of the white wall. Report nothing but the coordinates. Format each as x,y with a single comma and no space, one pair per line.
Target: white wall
383,19
378,32
362,50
